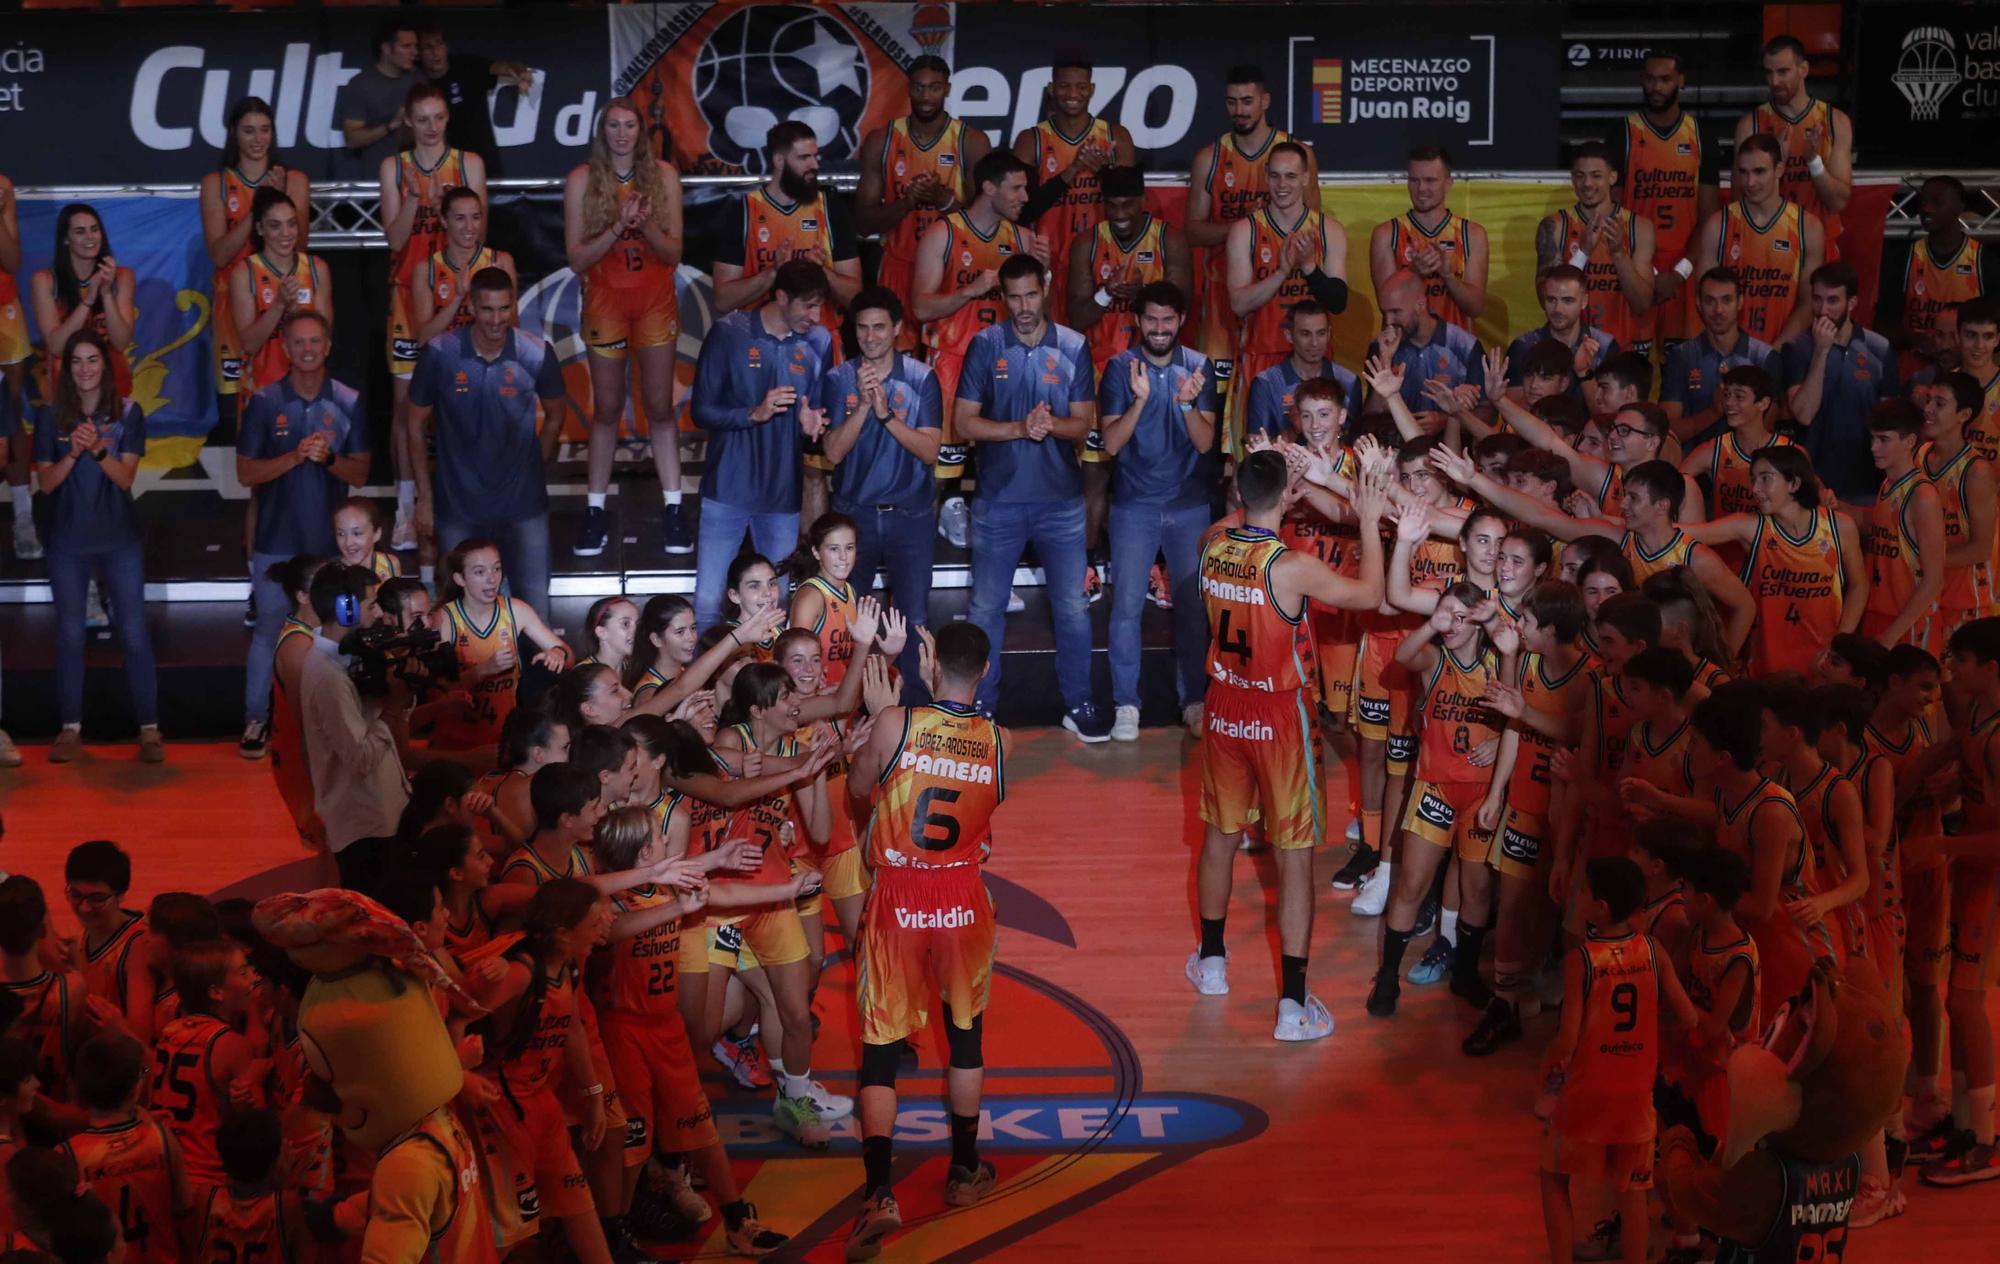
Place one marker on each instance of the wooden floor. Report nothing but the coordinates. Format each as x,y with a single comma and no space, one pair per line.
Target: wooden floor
1383,1142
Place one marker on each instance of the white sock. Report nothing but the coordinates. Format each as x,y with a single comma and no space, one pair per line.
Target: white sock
596,499
406,495
797,1085
671,498
1448,926
24,497
428,574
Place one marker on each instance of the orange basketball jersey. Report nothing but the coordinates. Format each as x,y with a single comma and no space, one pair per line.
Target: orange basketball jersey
935,799
1931,285
1264,329
1604,303
1663,182
905,158
1607,1093
426,188
1456,718
245,1230
775,234
271,363
1237,189
630,264
1798,587
1551,694
643,966
1677,551
836,641
185,1092
969,252
1894,568
1080,208
1795,180
1770,260
1253,643
1139,261
492,696
1966,588
104,965
1450,238
126,1166
448,285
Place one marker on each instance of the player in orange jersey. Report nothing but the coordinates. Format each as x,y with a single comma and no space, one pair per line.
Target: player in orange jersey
1617,985
1611,245
202,1063
126,1156
1447,250
1830,807
1946,267
1286,252
15,349
252,1217
1904,539
84,287
277,276
1671,169
248,163
1772,244
1067,151
115,956
1815,138
913,172
1979,355
488,628
52,1002
1257,735
937,775
1227,183
440,293
1966,485
622,233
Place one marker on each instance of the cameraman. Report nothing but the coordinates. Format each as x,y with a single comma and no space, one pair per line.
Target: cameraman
354,746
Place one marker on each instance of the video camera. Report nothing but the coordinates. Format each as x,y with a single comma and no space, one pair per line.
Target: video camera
420,657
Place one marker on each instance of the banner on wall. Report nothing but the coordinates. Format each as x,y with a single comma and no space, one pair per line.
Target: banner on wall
1928,83
1363,85
714,78
160,239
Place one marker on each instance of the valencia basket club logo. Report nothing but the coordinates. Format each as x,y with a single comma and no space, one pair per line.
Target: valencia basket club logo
714,79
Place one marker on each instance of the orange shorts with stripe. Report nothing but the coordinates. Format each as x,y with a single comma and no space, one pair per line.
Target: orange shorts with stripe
665,1106
1446,814
1927,916
1385,697
403,344
924,933
630,318
1975,924
1518,845
227,343
1620,1166
536,1135
1257,765
952,454
1887,937
842,875
14,345
1337,645
770,937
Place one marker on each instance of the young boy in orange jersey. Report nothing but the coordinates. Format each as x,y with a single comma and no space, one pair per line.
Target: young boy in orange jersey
1720,970
1747,400
1660,847
1465,647
1903,535
251,1217
1656,681
1966,486
52,1002
1830,806
1605,1056
1545,713
126,1156
202,1064
114,956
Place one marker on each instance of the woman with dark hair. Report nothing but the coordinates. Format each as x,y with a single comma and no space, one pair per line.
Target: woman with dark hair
276,277
84,288
88,447
247,165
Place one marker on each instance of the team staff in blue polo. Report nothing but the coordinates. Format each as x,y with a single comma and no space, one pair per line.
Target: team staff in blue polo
754,391
481,383
1159,412
1835,372
883,418
299,451
1692,374
1026,399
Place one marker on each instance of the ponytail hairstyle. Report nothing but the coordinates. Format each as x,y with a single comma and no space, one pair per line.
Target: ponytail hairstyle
598,610
557,791
758,685
524,729
572,689
651,733
1678,586
434,785
687,754
295,575
653,620
557,905
454,562
622,835
737,570
803,564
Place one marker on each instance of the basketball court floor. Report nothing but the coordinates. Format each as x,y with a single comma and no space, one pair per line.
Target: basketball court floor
1129,1118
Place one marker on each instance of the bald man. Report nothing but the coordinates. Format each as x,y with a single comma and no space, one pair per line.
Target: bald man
1419,345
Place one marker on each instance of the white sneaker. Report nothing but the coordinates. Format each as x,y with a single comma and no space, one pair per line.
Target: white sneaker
403,537
1125,725
1015,603
678,1188
1354,830
1249,843
1373,896
94,613
1309,1021
953,520
27,545
831,1105
1210,975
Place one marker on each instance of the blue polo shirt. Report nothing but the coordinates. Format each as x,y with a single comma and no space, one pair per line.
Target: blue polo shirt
295,510
1517,354
1859,374
1694,368
1452,354
1269,411
89,513
489,462
878,470
1007,378
1159,464
755,466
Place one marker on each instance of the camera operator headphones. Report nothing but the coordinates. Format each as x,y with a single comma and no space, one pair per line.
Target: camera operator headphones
347,603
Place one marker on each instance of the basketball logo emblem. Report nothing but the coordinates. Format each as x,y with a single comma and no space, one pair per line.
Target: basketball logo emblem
1228,179
901,166
965,259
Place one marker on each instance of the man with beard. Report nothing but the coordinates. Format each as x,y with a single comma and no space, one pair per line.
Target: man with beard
1447,251
1611,245
912,172
1157,409
467,81
1226,183
1835,372
1561,289
1673,174
1272,393
1772,244
1420,345
1692,375
1946,267
1066,152
1107,269
1287,252
786,219
1816,140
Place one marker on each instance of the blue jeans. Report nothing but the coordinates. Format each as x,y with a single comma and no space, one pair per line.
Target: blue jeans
122,574
775,535
902,544
1138,531
524,553
1001,532
272,603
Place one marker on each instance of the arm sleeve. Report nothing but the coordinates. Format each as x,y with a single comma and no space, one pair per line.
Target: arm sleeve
1673,375
975,374
832,397
254,434
1263,414
133,441
713,406
729,244
1046,195
1207,401
1114,392
1791,367
423,378
1083,383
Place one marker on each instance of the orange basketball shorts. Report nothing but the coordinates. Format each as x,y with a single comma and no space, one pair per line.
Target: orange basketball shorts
617,319
924,933
1257,765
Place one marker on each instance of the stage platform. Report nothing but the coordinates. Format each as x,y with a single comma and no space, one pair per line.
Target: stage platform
1130,1120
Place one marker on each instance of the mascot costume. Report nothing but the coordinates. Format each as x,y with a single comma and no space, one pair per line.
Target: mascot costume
371,1032
1801,1103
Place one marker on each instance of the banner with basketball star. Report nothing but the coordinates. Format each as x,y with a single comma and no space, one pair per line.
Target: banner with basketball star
712,79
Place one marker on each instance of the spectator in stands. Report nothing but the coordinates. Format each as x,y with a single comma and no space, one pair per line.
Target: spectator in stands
754,387
370,105
302,444
354,745
88,446
467,79
1835,373
482,382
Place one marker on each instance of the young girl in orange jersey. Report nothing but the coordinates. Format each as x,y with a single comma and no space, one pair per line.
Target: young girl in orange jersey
85,288
440,290
567,808
752,587
611,630
530,741
126,1156
669,666
843,880
202,1063
1904,535
357,537
248,164
251,1218
1655,683
276,277
1605,1056
824,603
486,628
1804,564
1323,524
622,232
